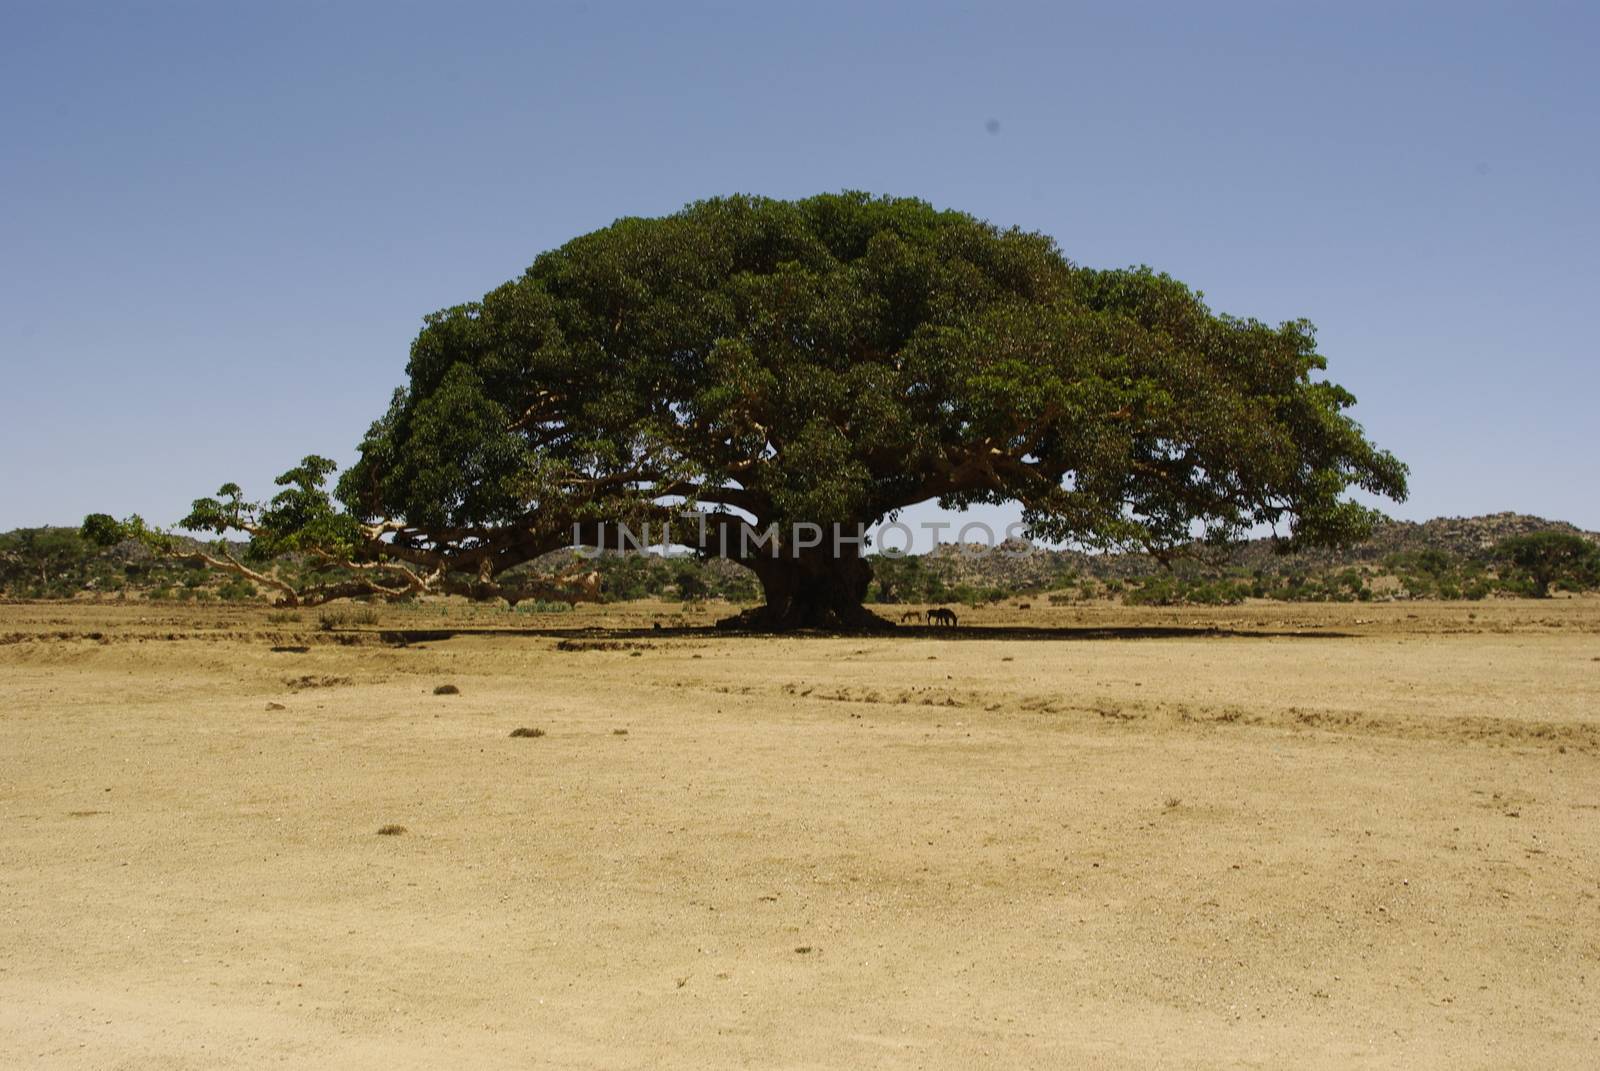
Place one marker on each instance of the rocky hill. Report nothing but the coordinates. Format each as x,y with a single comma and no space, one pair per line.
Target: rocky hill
1464,537
1019,566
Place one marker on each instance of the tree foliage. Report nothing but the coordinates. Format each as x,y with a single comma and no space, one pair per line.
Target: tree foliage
44,561
1550,557
832,361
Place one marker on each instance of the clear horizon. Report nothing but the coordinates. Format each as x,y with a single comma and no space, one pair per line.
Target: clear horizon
223,226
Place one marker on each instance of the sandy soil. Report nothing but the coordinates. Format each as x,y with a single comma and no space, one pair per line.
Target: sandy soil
1268,836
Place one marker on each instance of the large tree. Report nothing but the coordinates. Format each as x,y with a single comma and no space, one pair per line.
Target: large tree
829,361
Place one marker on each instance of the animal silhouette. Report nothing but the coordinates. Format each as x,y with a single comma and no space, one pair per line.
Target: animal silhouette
942,616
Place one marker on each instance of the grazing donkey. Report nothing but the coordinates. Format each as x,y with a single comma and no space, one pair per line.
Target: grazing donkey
910,615
942,616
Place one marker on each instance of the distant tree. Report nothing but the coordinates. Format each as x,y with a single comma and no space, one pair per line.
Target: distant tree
101,529
898,578
691,584
829,362
44,560
1549,557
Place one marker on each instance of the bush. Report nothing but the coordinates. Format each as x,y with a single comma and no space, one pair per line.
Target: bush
347,618
1227,592
1157,591
539,606
237,589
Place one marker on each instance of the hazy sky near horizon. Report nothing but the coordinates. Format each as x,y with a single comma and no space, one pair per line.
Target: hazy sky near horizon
222,223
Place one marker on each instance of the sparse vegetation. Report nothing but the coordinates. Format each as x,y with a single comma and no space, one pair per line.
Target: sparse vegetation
1169,590
236,589
347,617
317,680
1474,558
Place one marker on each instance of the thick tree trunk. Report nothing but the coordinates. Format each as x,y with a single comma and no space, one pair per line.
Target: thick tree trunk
812,591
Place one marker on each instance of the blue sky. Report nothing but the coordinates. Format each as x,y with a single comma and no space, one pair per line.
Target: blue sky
222,223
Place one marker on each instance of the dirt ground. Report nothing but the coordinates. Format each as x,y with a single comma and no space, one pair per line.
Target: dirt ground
1259,837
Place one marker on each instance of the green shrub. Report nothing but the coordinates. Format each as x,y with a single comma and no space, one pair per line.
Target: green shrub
237,589
539,606
1157,591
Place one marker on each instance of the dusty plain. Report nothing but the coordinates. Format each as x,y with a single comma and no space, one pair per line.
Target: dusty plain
1266,836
